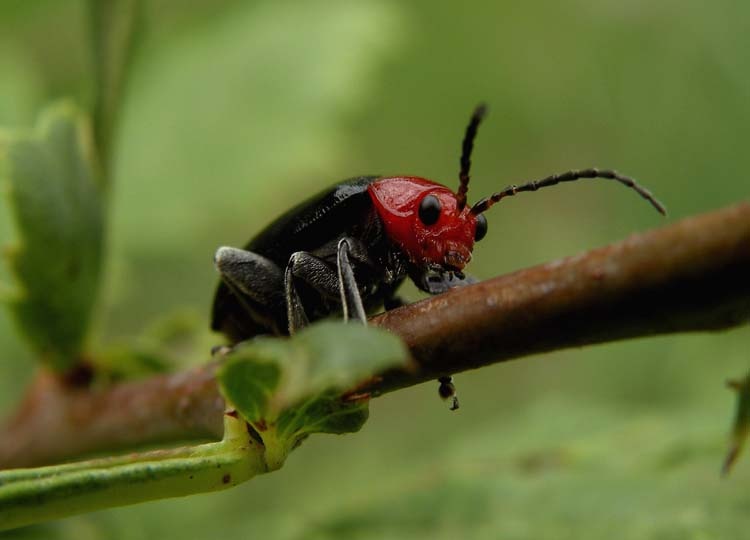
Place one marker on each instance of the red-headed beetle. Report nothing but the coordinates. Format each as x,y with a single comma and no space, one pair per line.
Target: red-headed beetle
347,249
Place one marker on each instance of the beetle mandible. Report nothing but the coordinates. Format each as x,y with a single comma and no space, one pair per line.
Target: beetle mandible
347,249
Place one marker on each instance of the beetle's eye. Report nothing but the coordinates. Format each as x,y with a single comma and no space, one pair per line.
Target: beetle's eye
481,228
429,210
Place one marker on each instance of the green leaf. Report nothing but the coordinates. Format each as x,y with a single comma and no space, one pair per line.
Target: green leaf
326,413
336,356
741,428
250,381
268,376
58,209
115,25
289,388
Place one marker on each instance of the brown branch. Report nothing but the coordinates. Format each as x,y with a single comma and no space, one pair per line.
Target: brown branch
690,276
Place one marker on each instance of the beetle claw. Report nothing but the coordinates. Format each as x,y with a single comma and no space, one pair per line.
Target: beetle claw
447,391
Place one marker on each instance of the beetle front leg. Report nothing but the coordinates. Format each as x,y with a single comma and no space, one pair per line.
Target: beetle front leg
303,265
351,301
440,282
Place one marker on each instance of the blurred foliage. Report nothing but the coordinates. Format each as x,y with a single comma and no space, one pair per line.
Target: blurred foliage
57,200
160,347
741,428
57,180
239,109
115,27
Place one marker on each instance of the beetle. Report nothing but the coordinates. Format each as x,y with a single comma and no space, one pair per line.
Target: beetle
346,250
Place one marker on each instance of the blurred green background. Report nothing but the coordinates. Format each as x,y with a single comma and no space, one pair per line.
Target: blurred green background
238,110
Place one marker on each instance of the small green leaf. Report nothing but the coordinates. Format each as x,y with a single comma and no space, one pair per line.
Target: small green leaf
58,209
290,388
249,384
334,356
326,413
741,428
267,376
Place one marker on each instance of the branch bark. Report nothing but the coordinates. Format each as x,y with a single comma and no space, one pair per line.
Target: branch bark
690,276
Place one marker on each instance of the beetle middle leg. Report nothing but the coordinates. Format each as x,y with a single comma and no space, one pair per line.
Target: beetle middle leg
333,283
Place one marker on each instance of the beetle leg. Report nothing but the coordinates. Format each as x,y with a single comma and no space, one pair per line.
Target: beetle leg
351,301
255,281
254,275
338,283
314,271
439,282
447,392
300,264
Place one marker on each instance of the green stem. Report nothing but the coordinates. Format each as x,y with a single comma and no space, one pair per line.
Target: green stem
33,495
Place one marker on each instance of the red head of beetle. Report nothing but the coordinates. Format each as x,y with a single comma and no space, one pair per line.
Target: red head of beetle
432,225
424,220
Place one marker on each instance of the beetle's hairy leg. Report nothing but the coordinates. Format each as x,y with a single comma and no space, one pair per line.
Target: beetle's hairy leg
333,283
296,316
254,275
318,274
253,280
351,300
